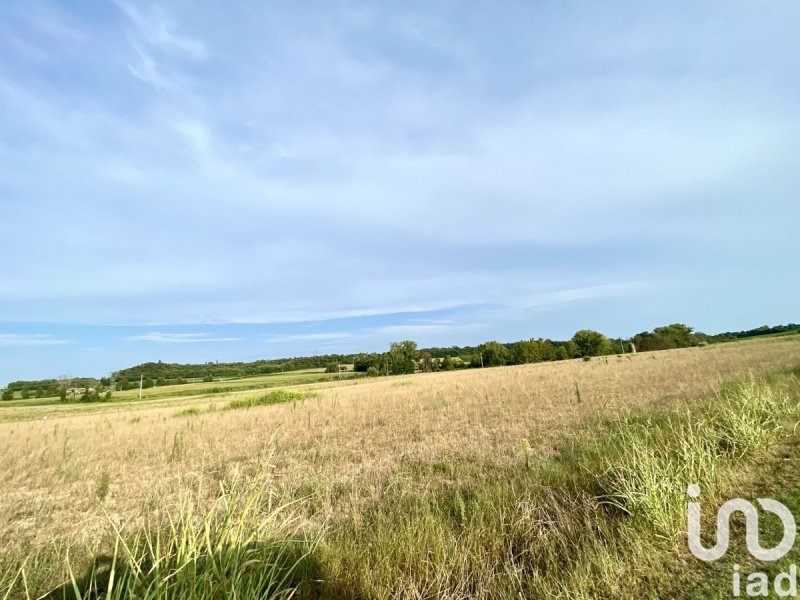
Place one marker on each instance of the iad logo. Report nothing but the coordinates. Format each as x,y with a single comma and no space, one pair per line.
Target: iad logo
757,583
751,526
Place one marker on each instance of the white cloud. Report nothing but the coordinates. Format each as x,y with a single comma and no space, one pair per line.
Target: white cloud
178,338
308,337
15,339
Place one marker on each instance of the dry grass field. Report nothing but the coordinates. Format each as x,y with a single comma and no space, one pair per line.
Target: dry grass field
67,473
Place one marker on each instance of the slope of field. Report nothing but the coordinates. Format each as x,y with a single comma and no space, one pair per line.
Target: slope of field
344,449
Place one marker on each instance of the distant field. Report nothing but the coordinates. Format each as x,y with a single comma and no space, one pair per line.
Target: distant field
170,392
408,465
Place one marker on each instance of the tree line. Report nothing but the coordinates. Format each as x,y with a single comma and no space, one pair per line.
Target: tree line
402,357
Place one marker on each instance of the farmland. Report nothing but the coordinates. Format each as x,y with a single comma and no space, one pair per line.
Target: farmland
411,486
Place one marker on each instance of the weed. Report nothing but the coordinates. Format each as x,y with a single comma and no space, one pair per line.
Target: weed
178,448
526,449
102,486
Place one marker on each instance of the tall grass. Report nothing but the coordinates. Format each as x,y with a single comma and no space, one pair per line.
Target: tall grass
599,520
247,547
602,518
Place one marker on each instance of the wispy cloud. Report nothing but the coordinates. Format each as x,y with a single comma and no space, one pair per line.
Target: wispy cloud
16,339
414,330
179,338
154,26
308,337
147,71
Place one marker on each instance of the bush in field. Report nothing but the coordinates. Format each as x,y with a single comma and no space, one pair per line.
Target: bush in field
372,372
8,394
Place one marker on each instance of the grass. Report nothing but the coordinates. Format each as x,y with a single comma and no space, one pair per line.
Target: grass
587,523
274,397
215,388
191,411
246,546
775,477
488,484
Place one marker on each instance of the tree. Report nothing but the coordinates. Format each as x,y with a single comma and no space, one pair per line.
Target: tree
590,343
680,334
426,362
545,350
494,354
8,394
402,357
524,352
362,362
372,372
447,364
676,335
332,368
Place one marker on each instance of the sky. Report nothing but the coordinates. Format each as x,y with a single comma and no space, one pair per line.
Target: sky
194,181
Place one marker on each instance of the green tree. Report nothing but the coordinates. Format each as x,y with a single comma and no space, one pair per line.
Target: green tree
676,335
8,394
681,335
494,354
402,357
362,362
524,352
590,343
426,362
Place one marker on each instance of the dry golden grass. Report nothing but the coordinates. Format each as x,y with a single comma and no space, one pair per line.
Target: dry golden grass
62,478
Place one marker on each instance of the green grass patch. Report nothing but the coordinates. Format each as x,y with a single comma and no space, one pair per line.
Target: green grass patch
273,397
191,411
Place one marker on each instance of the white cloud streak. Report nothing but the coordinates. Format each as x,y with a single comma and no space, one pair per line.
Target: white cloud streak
16,339
179,338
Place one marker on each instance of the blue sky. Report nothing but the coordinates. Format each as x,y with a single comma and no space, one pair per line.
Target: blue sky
192,181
